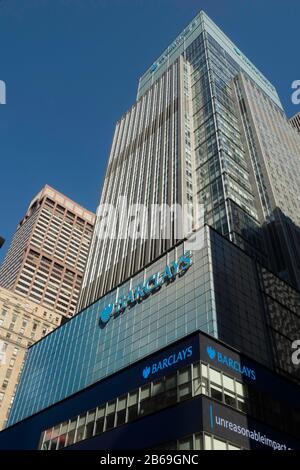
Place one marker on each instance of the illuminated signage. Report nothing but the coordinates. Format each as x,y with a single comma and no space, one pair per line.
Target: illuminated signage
169,361
150,286
230,426
230,363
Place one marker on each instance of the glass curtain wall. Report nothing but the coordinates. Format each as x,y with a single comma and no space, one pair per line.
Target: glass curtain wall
222,175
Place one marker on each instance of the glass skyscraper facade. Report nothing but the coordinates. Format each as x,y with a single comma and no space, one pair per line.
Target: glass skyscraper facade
168,339
207,128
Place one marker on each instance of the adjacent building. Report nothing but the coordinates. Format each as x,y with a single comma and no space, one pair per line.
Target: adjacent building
47,256
40,279
22,322
175,347
295,121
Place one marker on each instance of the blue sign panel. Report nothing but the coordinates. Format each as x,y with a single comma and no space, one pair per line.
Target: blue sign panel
229,362
169,361
242,429
150,286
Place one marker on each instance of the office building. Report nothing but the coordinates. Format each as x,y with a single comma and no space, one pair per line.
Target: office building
22,322
295,121
178,347
207,127
101,382
47,256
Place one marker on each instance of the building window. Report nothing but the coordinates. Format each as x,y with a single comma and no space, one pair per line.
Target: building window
110,415
100,420
90,423
80,428
132,406
54,438
121,412
198,378
71,432
200,441
62,439
5,384
184,382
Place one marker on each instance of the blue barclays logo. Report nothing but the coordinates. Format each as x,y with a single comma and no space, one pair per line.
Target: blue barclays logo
150,286
106,313
167,362
211,352
146,372
230,363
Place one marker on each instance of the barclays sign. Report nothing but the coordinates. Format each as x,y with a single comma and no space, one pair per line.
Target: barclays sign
167,362
150,286
230,363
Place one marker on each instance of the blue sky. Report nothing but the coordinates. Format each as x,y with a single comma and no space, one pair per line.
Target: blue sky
71,69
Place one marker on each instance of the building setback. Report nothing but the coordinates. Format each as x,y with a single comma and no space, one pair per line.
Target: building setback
47,256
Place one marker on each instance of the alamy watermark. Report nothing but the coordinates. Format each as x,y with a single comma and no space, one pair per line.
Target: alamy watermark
2,92
296,93
154,221
296,353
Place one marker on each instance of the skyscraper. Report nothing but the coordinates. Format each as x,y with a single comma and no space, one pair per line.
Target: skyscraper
208,128
46,259
178,347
